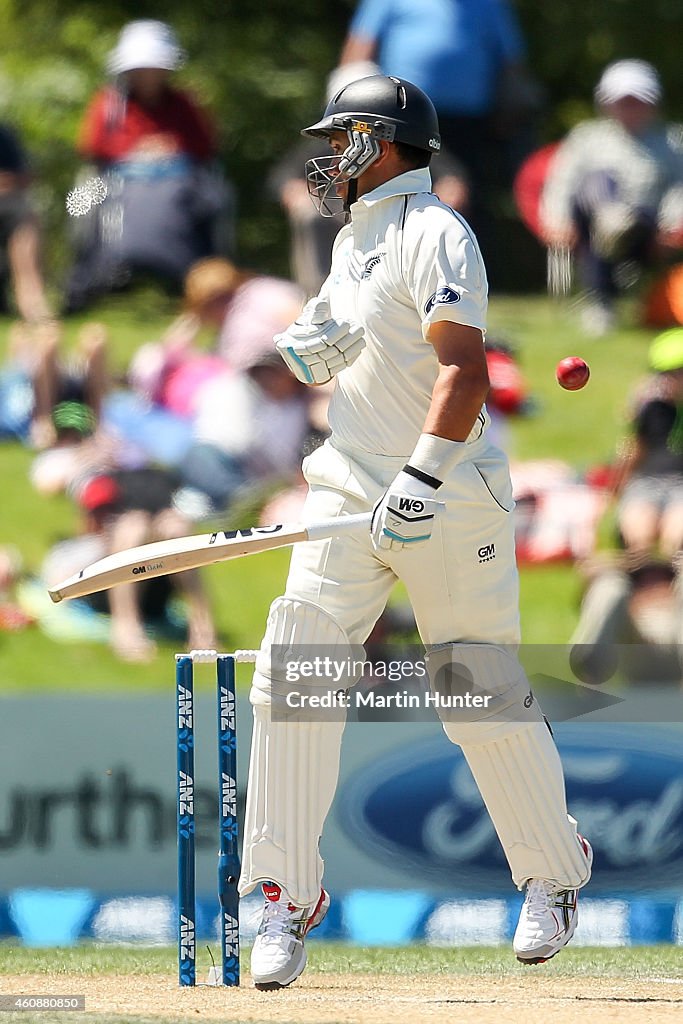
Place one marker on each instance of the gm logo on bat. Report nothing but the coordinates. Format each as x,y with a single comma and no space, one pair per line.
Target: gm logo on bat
138,570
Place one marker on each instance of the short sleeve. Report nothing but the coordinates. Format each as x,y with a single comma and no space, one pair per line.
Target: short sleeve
445,273
370,19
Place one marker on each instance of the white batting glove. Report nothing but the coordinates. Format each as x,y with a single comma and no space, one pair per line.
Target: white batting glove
405,515
316,347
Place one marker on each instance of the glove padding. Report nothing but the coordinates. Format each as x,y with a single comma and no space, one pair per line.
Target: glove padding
316,347
405,515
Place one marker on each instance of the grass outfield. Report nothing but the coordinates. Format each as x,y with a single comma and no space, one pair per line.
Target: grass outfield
639,962
581,428
345,983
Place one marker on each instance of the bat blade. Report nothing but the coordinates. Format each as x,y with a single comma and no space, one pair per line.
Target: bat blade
165,557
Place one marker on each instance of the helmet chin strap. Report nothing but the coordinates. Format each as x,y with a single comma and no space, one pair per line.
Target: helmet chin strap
351,194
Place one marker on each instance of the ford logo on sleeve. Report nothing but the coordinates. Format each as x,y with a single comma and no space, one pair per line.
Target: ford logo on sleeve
421,808
441,298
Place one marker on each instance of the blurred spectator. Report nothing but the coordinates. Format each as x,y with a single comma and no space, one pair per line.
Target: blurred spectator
468,56
614,190
557,513
79,450
12,616
19,232
166,205
650,510
244,310
79,376
247,309
17,398
122,509
311,236
249,429
508,391
635,603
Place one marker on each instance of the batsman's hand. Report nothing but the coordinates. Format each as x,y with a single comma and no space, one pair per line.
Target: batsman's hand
405,515
316,347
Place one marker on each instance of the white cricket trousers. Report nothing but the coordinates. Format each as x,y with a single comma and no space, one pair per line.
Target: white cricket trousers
463,587
462,583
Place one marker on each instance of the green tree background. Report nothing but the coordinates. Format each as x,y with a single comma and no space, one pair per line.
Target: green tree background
261,70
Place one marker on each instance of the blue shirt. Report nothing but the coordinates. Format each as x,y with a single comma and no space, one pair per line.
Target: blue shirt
452,49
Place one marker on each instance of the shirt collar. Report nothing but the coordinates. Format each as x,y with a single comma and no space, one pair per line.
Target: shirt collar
417,180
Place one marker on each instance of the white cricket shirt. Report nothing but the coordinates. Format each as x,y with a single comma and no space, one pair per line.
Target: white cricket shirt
403,262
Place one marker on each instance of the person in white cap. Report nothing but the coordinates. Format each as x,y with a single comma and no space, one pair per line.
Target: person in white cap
614,192
153,145
144,116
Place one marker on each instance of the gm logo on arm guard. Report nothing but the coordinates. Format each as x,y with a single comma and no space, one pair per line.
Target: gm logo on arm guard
441,297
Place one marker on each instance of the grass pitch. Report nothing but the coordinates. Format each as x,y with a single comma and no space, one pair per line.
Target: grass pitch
136,985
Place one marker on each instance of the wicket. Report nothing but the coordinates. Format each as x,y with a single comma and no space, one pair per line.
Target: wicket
228,854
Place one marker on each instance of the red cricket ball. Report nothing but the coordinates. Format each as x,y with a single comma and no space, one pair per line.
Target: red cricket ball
572,373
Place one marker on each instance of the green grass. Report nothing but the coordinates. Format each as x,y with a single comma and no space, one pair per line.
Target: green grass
637,962
580,428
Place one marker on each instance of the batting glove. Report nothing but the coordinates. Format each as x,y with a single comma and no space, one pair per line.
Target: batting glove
316,347
405,514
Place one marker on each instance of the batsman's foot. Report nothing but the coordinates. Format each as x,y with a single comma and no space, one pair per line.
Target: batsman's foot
548,919
278,956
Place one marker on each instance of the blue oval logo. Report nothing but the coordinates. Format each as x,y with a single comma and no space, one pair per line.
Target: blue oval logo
441,297
422,808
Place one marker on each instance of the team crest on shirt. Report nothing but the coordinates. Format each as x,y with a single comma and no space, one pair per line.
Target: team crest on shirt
371,263
441,297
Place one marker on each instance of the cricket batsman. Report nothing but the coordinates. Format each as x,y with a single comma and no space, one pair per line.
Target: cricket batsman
399,325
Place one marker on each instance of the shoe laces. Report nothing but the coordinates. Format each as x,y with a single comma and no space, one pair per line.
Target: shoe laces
539,896
278,919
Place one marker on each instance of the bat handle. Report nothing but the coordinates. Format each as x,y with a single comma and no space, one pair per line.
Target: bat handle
339,527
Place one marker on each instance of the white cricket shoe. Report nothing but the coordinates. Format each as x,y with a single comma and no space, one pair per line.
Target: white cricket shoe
278,955
548,918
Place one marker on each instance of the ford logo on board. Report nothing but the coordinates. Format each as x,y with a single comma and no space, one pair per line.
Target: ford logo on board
421,808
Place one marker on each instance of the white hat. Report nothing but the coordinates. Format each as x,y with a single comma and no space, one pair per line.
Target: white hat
145,44
347,73
629,78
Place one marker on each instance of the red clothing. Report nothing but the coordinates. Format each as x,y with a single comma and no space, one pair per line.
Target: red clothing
113,126
528,186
